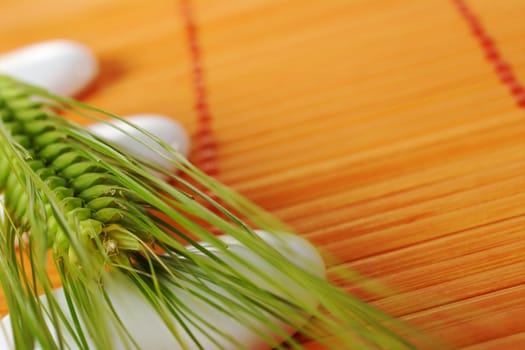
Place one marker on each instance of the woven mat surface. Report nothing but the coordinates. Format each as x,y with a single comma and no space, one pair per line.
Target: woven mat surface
389,133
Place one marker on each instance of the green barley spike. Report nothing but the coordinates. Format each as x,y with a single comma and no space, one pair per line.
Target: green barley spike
102,213
59,159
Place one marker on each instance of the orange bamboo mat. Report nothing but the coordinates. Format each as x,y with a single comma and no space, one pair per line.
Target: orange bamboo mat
387,132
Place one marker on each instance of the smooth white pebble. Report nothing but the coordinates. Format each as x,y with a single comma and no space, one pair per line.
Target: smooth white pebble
126,138
150,331
63,67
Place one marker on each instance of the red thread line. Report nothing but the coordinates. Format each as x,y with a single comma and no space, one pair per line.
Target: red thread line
492,54
206,146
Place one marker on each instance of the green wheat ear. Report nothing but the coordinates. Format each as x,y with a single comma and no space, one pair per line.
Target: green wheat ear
97,211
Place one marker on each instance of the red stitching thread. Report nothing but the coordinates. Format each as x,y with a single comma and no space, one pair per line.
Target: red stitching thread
206,146
501,67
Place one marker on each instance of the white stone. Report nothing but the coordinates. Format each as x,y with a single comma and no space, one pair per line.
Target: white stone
63,67
151,333
166,129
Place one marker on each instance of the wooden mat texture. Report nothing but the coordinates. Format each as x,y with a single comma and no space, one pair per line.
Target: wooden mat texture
389,133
